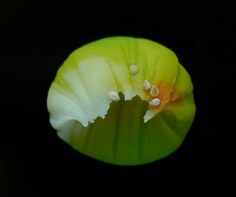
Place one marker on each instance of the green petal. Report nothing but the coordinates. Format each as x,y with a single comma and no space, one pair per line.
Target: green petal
127,132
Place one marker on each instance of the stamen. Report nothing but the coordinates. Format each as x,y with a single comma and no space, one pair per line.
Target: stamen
133,69
155,102
146,85
154,91
114,96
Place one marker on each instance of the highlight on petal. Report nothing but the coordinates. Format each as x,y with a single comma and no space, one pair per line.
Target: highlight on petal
122,100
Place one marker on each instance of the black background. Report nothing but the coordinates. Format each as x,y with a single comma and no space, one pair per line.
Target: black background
37,36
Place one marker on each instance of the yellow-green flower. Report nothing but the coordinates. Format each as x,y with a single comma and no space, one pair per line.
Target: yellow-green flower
122,100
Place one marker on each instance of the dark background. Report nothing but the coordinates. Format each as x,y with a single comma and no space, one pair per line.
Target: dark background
37,36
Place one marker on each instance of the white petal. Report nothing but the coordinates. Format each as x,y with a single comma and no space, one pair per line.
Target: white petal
149,115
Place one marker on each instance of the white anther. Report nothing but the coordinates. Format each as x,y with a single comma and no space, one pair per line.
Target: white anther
114,96
155,102
133,69
146,85
154,91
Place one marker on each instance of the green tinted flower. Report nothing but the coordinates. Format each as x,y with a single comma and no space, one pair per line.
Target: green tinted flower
122,100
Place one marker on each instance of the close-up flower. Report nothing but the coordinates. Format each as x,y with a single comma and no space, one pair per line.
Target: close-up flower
99,96
122,100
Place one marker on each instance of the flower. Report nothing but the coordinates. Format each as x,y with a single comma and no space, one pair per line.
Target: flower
122,100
